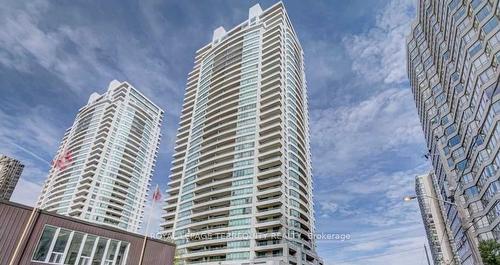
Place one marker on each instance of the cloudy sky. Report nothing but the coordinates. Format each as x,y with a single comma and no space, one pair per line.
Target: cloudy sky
366,139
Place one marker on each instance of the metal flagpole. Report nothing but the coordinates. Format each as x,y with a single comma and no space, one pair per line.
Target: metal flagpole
155,195
23,235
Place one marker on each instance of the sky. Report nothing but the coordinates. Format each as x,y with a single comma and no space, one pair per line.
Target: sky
367,143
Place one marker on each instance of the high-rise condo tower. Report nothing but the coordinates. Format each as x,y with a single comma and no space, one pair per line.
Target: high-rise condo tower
105,161
240,189
10,171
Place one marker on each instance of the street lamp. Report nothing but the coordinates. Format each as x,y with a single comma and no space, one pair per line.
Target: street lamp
412,197
409,198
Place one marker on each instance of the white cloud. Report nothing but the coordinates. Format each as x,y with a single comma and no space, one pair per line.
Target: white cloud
33,130
25,41
384,246
32,138
324,61
346,137
372,200
26,192
358,145
379,55
328,207
367,246
96,55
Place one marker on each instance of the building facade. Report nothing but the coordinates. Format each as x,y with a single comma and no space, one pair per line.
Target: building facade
10,171
55,239
103,167
453,56
438,235
240,189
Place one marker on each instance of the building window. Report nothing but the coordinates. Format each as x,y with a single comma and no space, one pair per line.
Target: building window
87,250
74,248
44,244
63,246
59,246
99,251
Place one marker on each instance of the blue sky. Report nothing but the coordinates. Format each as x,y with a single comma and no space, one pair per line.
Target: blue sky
366,139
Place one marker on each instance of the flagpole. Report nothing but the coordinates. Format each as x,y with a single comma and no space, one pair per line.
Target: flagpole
147,225
28,225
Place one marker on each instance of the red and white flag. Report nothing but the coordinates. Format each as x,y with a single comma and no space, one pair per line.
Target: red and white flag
157,194
63,161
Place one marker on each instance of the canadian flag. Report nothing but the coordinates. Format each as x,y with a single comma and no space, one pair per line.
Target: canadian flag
157,194
63,160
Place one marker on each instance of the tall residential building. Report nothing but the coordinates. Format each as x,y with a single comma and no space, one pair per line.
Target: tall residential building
240,189
10,171
103,167
453,56
438,234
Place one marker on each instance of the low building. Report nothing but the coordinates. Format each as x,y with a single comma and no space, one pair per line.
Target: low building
55,239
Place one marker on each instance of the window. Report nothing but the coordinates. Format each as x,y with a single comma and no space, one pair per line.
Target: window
60,245
238,256
243,162
238,222
110,256
241,201
87,250
294,213
483,12
242,182
241,191
294,203
474,3
120,257
238,244
243,172
451,129
492,23
77,248
454,141
240,211
99,251
471,192
475,48
44,243
240,233
74,247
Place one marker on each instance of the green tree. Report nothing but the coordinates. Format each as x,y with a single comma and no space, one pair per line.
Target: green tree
490,252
